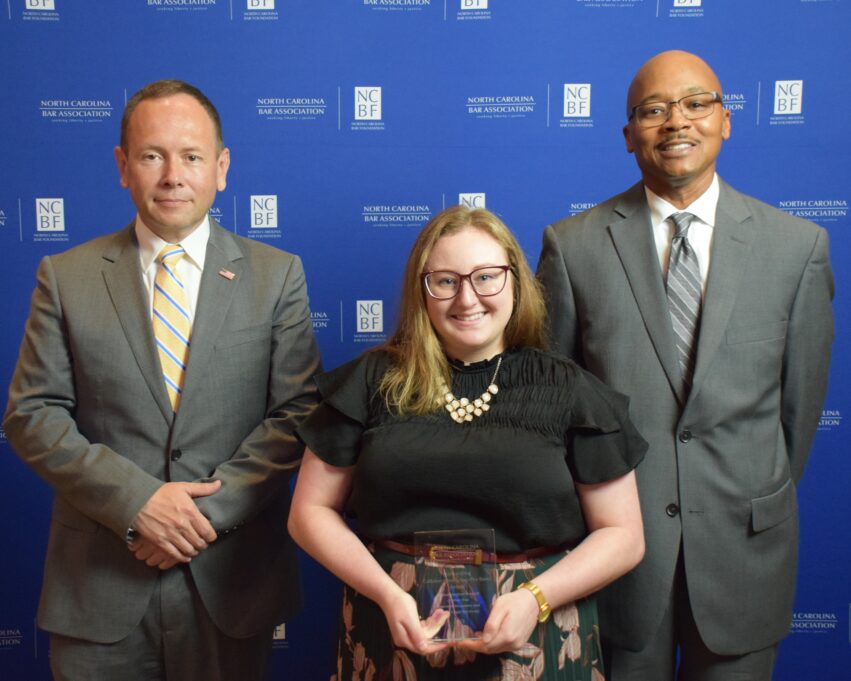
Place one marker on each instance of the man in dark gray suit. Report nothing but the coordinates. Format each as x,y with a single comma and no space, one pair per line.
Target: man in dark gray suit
168,556
718,325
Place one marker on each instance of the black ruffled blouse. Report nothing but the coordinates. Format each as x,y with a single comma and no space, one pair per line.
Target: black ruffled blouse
512,469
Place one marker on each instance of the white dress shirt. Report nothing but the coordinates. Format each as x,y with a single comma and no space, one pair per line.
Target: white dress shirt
699,232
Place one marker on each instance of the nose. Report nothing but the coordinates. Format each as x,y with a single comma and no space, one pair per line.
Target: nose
676,120
466,294
171,173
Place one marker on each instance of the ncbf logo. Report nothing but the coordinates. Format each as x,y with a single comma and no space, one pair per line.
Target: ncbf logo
50,215
367,103
472,200
687,3
260,4
788,96
370,316
577,100
264,211
279,633
40,4
474,4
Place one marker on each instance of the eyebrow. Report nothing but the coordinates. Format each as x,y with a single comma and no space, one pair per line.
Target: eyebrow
658,97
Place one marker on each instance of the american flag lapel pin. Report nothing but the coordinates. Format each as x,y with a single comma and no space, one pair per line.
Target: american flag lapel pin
227,274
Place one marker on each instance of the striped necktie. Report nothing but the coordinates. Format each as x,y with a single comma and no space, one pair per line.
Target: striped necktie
171,321
684,287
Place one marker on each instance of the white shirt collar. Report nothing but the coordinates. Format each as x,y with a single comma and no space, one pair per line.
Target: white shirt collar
703,207
195,244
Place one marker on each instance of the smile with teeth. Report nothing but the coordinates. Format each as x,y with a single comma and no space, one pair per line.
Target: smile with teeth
676,146
469,317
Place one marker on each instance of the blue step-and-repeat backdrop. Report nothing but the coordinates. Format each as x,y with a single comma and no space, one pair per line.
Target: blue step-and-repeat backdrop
350,123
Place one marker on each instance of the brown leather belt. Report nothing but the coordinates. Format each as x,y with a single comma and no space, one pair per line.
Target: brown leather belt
475,556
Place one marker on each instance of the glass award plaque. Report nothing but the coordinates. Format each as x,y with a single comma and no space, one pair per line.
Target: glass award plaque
455,586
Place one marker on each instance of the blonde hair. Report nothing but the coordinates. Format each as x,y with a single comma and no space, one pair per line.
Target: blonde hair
412,385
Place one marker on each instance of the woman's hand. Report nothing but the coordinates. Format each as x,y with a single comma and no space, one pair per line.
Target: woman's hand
512,620
407,629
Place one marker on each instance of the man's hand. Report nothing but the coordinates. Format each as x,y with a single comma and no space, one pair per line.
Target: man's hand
170,527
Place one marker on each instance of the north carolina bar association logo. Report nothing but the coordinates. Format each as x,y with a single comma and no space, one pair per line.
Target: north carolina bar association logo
831,419
788,103
821,211
180,5
396,5
814,623
481,106
10,637
291,108
75,110
577,207
396,214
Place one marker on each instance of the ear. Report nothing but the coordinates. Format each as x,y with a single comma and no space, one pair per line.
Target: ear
627,136
725,125
121,162
222,165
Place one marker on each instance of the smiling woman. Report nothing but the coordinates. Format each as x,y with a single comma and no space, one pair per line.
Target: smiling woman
462,420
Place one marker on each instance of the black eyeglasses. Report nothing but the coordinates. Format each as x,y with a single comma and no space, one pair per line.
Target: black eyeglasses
654,114
486,281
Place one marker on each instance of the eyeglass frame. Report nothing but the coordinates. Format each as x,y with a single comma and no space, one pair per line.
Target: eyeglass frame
461,277
717,97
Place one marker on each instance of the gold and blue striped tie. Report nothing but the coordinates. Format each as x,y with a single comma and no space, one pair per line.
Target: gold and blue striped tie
172,327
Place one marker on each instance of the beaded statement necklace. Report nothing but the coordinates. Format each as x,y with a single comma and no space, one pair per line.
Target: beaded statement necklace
464,410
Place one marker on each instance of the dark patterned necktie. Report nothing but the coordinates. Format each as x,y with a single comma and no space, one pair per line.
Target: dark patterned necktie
684,294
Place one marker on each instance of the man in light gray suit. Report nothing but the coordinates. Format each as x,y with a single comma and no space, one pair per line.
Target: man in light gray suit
168,556
718,326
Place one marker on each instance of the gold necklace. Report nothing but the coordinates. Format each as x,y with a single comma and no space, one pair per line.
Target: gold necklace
464,410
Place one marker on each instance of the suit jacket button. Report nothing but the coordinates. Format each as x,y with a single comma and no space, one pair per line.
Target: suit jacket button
685,435
672,510
176,454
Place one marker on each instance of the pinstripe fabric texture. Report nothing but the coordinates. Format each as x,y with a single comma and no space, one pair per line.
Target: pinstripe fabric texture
684,294
171,320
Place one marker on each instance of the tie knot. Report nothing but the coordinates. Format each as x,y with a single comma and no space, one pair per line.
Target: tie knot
681,223
171,254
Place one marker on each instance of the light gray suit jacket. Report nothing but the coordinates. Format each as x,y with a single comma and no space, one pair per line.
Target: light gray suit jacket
89,413
719,477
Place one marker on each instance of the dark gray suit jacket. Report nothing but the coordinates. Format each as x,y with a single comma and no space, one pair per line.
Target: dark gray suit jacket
89,413
719,477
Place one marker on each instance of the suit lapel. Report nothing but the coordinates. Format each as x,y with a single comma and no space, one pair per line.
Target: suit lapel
731,247
632,235
122,275
215,296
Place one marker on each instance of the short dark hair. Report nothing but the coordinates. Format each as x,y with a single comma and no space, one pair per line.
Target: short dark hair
167,88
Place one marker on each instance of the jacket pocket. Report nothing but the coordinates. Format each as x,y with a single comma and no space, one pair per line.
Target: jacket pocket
758,332
247,335
773,509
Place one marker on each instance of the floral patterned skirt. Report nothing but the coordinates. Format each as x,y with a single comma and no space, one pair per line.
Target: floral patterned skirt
564,648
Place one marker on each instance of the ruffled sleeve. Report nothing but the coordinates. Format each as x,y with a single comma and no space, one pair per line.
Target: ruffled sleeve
603,444
335,428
